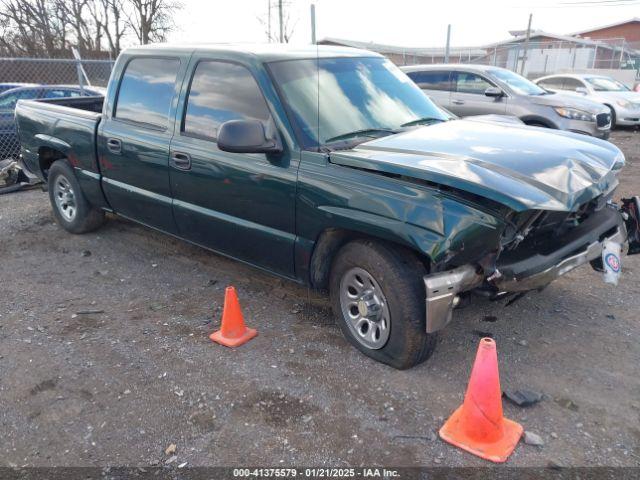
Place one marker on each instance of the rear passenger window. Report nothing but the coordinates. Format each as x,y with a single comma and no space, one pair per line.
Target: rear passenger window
146,91
471,83
431,80
221,92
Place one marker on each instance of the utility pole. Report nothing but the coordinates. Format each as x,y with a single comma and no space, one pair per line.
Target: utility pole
269,20
447,48
281,24
313,23
526,45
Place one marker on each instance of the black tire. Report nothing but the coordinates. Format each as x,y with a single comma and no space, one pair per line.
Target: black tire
399,275
536,124
85,218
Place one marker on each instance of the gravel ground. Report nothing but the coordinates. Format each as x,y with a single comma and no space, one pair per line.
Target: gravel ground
119,385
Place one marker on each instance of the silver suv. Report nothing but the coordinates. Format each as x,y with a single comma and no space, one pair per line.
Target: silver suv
481,89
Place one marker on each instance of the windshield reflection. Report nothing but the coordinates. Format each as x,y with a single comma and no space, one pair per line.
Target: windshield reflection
331,97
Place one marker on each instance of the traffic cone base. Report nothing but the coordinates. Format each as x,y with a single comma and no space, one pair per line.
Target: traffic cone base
233,342
454,432
478,425
233,332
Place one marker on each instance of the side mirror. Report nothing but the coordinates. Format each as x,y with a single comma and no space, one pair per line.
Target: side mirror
494,92
581,90
247,136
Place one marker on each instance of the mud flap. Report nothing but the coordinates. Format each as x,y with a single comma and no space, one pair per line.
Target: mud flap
631,213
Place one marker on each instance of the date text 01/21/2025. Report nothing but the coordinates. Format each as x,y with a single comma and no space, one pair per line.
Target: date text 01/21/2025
315,473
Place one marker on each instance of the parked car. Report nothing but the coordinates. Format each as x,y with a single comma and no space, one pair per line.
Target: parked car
622,102
8,86
481,89
9,144
328,166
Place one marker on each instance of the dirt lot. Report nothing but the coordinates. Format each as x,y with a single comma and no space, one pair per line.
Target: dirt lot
119,385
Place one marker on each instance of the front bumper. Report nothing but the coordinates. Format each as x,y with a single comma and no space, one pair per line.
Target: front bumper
585,128
522,271
541,279
627,117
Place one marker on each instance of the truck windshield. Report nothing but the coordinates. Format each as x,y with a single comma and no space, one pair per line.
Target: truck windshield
333,99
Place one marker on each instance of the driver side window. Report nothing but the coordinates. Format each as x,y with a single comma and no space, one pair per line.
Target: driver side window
219,92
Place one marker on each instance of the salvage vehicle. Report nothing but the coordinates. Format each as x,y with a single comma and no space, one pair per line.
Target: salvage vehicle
484,89
328,166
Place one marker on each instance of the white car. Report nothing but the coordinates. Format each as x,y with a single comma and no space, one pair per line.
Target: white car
623,102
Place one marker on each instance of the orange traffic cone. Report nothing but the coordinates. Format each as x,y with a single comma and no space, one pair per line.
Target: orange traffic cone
478,425
233,331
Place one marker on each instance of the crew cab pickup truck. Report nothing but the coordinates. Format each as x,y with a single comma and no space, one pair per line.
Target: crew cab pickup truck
330,167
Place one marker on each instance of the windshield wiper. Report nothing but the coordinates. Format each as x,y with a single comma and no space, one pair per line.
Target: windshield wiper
423,120
365,132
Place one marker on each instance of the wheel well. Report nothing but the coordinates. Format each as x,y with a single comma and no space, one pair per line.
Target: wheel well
534,121
329,244
613,112
46,157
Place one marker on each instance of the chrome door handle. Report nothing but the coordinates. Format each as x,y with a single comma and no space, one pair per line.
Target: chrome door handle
114,145
181,160
457,102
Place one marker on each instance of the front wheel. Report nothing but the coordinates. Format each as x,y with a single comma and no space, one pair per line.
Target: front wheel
378,296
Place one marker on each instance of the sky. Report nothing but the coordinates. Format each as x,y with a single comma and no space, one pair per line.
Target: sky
410,23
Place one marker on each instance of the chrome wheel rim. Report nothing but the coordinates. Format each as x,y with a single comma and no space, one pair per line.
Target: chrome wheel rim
364,308
65,198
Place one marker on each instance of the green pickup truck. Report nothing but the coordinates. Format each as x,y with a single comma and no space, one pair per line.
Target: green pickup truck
328,166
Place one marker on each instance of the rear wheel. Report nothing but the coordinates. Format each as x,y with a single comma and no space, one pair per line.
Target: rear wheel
378,296
70,207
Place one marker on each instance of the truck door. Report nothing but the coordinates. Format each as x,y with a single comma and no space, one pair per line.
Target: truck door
242,205
468,96
134,138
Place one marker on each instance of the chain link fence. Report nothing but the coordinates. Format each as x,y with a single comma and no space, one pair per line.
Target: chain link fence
547,57
538,59
28,78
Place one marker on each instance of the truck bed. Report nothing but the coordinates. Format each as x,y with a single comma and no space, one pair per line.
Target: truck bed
89,104
67,127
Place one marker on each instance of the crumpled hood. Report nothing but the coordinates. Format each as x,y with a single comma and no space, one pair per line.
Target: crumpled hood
569,101
522,167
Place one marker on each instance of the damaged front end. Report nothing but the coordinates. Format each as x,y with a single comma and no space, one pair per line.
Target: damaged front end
536,248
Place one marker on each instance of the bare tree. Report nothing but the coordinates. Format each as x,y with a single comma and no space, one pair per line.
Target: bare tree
151,20
271,21
108,16
52,27
75,12
33,26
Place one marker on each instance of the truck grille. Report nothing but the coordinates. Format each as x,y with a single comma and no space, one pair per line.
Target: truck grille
603,120
548,226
